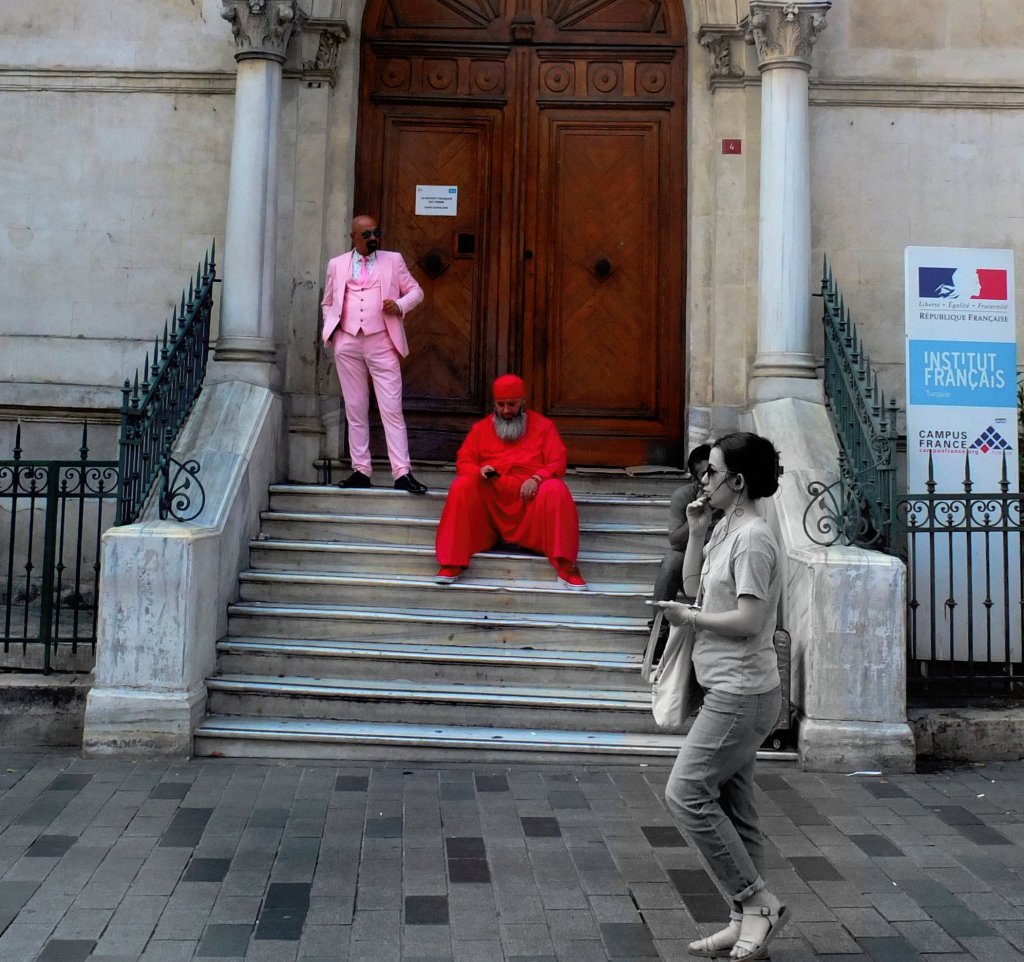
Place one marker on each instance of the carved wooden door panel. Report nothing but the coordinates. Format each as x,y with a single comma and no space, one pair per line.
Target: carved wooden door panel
453,335
565,261
603,326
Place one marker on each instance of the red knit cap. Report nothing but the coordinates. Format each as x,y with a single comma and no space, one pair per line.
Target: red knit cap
509,387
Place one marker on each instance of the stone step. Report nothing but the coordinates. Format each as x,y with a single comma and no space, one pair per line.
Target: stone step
250,737
269,554
410,530
384,660
432,703
468,594
437,626
386,502
658,483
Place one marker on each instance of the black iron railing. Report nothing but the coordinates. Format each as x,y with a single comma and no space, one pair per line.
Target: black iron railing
154,409
56,512
964,590
858,507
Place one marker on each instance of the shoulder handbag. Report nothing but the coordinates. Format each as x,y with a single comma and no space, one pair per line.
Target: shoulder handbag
675,693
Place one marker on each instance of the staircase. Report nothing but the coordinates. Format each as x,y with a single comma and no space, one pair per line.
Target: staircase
342,646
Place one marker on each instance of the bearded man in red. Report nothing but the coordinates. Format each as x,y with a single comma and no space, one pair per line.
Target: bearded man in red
509,486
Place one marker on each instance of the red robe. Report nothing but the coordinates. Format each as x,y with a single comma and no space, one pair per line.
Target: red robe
479,512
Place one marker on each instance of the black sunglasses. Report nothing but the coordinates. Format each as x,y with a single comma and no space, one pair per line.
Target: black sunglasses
367,234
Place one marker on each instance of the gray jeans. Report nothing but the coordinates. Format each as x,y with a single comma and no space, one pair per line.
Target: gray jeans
711,789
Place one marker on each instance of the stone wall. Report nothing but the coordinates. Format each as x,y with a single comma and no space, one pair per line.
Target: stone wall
115,132
917,116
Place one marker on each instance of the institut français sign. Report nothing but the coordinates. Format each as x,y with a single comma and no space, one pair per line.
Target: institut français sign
961,363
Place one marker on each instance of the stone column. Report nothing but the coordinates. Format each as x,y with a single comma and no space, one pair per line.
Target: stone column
246,345
784,33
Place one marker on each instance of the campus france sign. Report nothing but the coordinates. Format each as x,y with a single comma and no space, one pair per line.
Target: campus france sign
961,364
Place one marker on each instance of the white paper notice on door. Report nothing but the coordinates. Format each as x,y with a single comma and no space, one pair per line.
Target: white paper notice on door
433,200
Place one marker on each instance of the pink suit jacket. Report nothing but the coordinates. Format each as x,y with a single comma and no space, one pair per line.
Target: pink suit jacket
396,283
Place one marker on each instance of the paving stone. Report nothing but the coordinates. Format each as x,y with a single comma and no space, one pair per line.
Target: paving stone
958,921
927,936
50,846
426,910
166,950
663,836
526,939
864,923
815,869
491,783
628,940
828,938
66,950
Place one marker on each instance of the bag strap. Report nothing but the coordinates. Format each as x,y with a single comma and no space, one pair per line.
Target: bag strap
652,644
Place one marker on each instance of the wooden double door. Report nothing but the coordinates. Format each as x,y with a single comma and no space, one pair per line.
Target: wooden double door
562,126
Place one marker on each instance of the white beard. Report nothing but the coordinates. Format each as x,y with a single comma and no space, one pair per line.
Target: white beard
510,430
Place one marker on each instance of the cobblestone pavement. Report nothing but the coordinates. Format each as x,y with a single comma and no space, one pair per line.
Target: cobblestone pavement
224,859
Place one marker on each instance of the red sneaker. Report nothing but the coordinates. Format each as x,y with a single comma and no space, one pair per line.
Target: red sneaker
448,574
569,575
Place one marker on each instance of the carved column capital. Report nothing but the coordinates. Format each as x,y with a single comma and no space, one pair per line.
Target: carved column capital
784,31
718,39
262,28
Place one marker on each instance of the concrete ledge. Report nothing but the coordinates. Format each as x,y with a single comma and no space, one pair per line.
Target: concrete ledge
843,607
42,709
969,734
166,586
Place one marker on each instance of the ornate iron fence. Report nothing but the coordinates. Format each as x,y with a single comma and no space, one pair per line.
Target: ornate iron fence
965,618
858,507
56,512
154,409
964,590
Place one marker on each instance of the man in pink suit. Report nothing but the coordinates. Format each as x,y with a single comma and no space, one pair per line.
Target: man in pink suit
367,294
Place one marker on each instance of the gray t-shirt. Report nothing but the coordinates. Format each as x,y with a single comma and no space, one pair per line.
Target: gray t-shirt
743,562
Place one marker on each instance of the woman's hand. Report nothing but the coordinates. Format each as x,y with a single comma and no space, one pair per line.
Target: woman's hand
675,613
698,512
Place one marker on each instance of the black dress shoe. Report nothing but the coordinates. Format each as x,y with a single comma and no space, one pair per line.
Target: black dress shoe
408,483
356,480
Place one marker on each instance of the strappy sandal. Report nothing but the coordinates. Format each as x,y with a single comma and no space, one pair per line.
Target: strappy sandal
719,944
756,915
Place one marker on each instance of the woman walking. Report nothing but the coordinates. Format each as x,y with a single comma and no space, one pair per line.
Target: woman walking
737,581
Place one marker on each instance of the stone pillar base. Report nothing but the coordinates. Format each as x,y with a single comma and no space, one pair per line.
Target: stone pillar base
127,722
784,388
258,373
852,746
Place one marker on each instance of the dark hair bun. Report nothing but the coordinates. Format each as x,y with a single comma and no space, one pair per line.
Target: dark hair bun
755,458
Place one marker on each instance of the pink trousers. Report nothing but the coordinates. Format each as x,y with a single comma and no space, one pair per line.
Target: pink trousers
360,358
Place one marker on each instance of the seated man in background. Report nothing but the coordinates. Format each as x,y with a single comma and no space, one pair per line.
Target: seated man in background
670,575
508,486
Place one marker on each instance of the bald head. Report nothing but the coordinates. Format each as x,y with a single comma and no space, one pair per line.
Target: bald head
365,234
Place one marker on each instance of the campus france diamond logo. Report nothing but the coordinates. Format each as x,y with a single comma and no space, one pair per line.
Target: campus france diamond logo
959,283
990,440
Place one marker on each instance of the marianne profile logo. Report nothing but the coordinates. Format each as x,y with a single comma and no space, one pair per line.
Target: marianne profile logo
990,440
962,284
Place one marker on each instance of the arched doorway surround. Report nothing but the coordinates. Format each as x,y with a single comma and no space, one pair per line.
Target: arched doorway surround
562,124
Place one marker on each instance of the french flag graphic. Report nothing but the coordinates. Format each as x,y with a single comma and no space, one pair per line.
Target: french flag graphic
958,283
992,284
